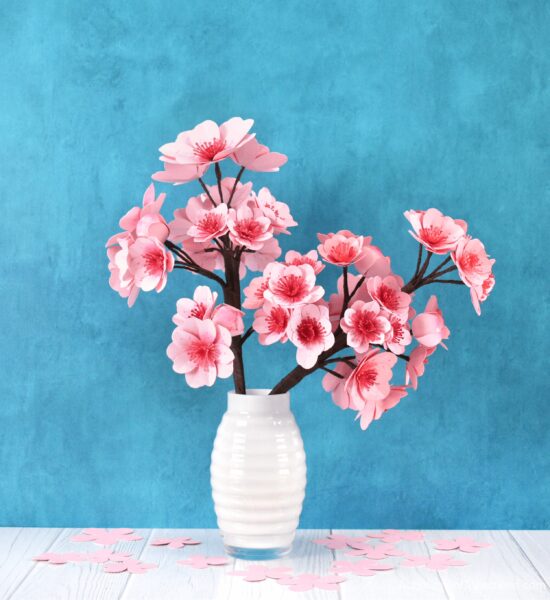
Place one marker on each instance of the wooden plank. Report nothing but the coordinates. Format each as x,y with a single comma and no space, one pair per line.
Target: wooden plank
501,571
17,545
173,581
400,584
536,546
77,581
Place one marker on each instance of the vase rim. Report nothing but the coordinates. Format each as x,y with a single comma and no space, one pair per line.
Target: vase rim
258,400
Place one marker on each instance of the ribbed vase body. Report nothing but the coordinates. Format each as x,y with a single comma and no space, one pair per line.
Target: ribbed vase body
258,475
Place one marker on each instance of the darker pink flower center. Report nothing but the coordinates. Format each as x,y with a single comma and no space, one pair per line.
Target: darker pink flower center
366,377
211,223
208,150
310,331
343,252
366,324
277,320
249,229
203,353
154,261
291,287
388,297
398,331
432,234
469,261
198,311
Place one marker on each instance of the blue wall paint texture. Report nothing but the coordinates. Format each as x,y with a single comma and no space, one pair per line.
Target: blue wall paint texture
380,106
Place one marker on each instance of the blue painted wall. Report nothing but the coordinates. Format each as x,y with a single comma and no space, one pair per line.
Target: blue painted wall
380,106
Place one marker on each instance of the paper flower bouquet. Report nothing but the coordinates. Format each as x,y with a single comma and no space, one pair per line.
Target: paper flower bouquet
356,335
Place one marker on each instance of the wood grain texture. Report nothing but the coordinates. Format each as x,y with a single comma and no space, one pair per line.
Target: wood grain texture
536,546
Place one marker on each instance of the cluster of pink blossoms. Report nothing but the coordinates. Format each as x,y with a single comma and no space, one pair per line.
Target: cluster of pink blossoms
356,335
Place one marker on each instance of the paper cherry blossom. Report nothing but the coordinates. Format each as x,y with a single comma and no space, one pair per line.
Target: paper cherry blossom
364,568
177,542
255,573
59,558
198,561
106,537
375,552
338,542
392,536
464,544
437,562
310,581
133,566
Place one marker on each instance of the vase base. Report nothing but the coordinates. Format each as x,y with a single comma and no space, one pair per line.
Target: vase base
257,553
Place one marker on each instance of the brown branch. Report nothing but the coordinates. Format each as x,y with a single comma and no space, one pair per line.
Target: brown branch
335,373
218,170
246,335
189,262
237,179
207,191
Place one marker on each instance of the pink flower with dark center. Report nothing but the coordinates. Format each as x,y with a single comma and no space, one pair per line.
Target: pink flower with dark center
207,143
256,157
201,351
372,262
416,365
271,322
248,227
369,381
436,232
475,269
254,293
364,325
429,327
372,411
398,336
150,262
291,286
342,248
387,292
121,279
259,259
337,385
206,221
309,329
311,258
336,301
277,212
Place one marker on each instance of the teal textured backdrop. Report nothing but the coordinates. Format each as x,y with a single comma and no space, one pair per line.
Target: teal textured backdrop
381,107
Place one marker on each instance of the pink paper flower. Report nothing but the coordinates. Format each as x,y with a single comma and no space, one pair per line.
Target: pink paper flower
259,259
475,269
254,293
291,286
336,301
364,325
310,581
206,222
363,568
201,351
131,565
375,553
122,279
249,227
372,411
369,381
393,536
150,262
399,336
337,386
277,212
342,248
106,537
256,157
198,561
243,192
271,322
178,174
416,365
175,543
372,262
437,562
464,544
387,292
311,258
207,143
204,255
254,573
436,232
309,329
338,542
429,327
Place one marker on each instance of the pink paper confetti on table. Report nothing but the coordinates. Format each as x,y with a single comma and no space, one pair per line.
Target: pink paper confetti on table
464,544
198,561
101,556
378,552
338,542
392,536
59,558
106,537
310,581
364,568
177,542
131,565
255,573
437,562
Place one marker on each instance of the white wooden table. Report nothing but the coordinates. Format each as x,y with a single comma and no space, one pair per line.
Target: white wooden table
517,565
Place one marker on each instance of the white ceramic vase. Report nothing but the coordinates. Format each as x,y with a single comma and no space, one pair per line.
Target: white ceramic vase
258,475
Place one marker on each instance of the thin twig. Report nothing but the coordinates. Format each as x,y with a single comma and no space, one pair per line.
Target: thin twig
335,373
246,335
218,170
237,179
207,191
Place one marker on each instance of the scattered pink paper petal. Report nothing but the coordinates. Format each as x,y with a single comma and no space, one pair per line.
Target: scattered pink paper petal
338,542
130,565
464,544
310,581
177,542
392,536
255,573
106,537
364,568
198,561
378,552
102,556
60,558
437,562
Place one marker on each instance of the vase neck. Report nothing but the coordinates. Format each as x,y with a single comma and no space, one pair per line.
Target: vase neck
258,402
